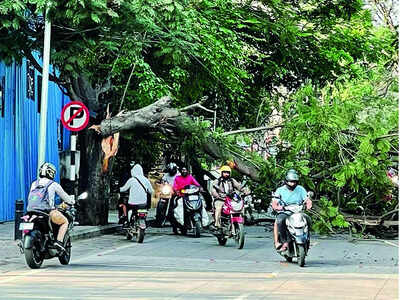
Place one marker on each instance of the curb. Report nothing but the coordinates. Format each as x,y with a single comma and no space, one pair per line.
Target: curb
79,234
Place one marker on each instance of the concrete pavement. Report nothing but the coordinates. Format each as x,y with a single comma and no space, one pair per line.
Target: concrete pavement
176,267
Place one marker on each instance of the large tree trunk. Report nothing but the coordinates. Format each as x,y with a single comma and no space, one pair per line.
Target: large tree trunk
94,210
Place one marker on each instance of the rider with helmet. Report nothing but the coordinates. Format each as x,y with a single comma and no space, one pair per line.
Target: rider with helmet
47,172
290,193
172,172
222,187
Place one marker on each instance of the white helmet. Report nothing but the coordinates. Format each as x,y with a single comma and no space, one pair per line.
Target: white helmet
47,170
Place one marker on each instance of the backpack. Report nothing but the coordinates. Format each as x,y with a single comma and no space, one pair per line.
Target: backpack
220,181
148,200
38,198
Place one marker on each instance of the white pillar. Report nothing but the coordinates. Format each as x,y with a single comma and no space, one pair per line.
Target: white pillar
45,82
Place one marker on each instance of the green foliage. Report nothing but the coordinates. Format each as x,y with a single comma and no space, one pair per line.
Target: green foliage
328,217
334,67
346,131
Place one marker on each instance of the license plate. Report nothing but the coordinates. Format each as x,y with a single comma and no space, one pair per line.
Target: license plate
26,226
193,197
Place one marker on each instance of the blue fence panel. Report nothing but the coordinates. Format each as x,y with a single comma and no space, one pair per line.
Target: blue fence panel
19,129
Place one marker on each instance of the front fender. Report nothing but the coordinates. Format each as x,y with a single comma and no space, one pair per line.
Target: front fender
301,239
197,217
31,238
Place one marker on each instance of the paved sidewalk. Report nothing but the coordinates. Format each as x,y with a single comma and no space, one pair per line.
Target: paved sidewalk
78,232
82,232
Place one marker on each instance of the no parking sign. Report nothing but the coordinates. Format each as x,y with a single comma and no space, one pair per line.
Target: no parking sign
75,116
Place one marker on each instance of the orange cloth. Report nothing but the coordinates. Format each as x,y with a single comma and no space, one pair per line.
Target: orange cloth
110,148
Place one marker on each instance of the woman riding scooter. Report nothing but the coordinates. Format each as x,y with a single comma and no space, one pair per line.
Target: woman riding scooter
222,187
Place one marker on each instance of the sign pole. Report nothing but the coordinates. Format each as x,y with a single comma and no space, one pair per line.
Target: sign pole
75,117
74,138
45,81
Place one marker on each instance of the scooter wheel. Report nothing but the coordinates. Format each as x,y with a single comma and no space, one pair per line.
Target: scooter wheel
184,231
301,260
239,236
288,258
175,230
140,235
197,229
222,241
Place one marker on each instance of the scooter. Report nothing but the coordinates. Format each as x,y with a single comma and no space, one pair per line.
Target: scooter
249,218
137,224
232,221
298,233
39,235
163,204
192,210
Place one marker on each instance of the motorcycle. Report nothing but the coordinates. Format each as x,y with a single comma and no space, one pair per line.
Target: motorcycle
163,204
232,221
137,224
192,210
39,235
249,218
298,233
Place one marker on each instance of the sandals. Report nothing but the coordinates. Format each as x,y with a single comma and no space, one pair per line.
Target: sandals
284,247
278,246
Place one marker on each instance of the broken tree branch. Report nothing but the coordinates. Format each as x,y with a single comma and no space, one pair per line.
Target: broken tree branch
196,105
264,128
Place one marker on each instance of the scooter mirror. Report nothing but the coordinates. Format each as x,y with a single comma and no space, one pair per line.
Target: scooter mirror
83,196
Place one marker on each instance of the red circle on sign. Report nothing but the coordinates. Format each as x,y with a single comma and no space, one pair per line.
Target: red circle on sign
66,122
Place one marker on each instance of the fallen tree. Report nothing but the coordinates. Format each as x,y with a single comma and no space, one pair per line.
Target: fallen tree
176,125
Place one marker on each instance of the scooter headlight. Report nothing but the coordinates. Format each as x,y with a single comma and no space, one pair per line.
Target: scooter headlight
296,220
166,190
237,206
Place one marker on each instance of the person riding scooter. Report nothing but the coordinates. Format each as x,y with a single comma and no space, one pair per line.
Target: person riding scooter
41,197
172,172
290,193
183,180
222,187
180,182
139,186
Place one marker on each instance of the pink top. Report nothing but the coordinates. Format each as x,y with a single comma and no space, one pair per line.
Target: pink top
180,182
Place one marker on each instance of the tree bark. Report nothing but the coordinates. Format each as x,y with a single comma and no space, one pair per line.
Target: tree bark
94,210
158,116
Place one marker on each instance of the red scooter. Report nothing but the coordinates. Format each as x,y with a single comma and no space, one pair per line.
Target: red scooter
232,221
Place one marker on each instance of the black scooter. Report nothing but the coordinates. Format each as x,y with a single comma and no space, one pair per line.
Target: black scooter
39,235
137,224
192,208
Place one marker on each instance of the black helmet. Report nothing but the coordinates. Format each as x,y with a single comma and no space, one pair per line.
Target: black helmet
172,168
292,175
47,170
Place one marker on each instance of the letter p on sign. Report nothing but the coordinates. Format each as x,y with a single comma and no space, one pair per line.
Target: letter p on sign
75,116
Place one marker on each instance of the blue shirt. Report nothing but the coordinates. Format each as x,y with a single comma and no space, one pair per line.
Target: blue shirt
297,196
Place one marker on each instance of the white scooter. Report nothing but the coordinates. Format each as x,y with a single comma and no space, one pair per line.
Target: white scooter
297,231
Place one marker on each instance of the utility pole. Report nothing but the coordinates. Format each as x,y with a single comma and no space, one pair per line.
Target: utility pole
45,84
